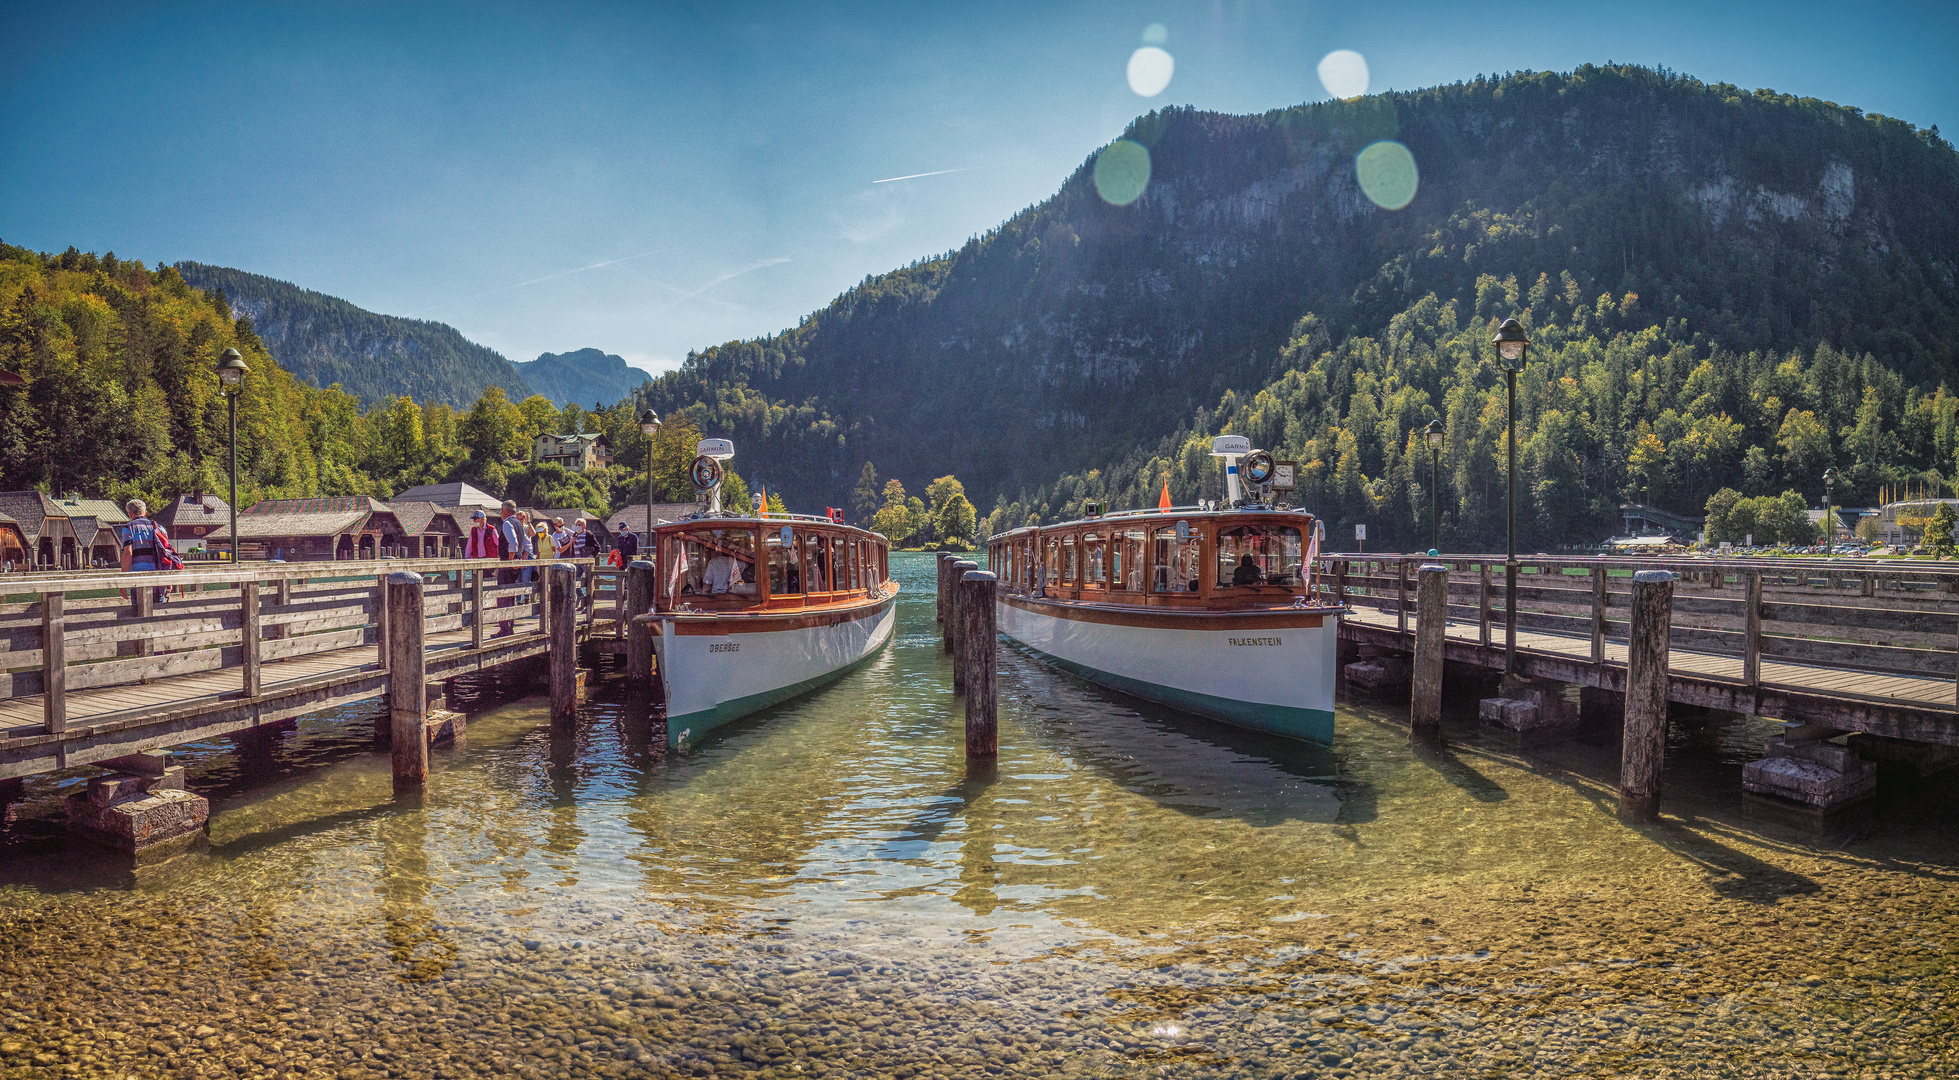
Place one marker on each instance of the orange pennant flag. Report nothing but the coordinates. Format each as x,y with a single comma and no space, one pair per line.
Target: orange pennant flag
1164,502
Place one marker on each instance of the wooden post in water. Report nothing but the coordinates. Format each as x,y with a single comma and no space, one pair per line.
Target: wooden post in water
638,592
955,619
408,703
563,583
1647,642
979,654
1431,620
946,559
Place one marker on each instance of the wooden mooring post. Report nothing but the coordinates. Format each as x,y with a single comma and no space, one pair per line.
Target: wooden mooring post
978,656
562,581
1647,643
955,624
946,559
1431,620
639,636
408,703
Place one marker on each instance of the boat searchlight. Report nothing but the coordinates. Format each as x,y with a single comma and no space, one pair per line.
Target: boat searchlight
707,469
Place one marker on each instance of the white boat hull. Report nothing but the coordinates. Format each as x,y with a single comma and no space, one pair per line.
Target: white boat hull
719,668
1270,672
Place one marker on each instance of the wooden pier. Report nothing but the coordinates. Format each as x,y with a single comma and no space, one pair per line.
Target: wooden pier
96,669
1830,647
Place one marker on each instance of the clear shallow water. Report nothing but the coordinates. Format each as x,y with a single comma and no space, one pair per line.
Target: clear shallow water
830,889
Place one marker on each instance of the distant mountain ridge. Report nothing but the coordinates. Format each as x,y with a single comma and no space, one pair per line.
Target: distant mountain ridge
1081,332
325,340
587,376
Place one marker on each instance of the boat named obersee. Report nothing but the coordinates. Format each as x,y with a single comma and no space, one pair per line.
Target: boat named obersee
1212,610
753,610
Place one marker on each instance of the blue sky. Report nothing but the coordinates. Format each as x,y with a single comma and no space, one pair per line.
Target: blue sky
650,178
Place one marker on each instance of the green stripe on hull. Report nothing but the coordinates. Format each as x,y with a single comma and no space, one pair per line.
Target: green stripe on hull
695,724
1307,725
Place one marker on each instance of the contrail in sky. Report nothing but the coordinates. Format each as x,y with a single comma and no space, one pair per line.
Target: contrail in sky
534,281
916,175
582,269
696,293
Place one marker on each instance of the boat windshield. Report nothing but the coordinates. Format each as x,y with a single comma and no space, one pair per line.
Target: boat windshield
785,565
711,562
1173,568
1258,555
1126,560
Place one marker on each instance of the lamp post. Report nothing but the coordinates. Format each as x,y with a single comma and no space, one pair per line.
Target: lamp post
231,376
649,425
1432,434
1511,344
1829,523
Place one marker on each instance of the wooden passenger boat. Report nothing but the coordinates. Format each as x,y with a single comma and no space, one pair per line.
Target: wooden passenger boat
1210,611
754,610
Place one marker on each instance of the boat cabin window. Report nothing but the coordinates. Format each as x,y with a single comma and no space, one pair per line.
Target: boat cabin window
1127,553
1258,555
1070,560
785,567
816,565
1173,566
856,563
1094,563
1053,563
712,562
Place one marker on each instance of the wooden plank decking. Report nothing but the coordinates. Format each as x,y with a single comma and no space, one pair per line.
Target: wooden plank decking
188,670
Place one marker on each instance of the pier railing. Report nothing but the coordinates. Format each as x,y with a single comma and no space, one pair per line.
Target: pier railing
1860,616
61,632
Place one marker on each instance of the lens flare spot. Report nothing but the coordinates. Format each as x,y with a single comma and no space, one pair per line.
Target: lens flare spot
1122,171
1344,74
1155,34
1387,174
1150,69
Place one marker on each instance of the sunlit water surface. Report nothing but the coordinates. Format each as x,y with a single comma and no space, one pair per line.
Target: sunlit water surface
831,889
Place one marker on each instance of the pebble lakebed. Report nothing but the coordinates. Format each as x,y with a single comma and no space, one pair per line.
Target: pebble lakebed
829,890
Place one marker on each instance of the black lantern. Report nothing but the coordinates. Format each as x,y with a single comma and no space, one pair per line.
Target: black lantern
1511,345
231,376
1432,434
649,425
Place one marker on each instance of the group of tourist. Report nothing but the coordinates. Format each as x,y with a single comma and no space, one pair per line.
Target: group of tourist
516,536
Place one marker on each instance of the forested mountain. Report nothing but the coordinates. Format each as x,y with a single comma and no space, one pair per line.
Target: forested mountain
1726,289
587,376
326,340
121,399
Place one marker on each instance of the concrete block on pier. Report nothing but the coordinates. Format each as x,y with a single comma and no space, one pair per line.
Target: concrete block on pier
1515,714
149,816
1380,672
446,726
1528,708
1819,775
